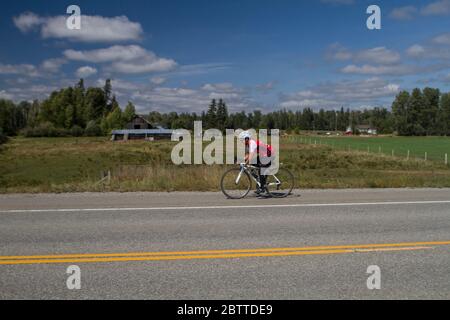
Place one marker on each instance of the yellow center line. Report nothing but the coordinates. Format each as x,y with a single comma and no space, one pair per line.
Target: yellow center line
216,254
198,252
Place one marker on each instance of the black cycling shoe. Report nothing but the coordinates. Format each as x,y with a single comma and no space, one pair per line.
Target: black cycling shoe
258,191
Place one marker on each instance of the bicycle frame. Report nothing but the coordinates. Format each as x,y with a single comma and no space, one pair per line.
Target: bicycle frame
248,168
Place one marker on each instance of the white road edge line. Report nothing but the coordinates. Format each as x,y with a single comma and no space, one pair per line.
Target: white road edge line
305,205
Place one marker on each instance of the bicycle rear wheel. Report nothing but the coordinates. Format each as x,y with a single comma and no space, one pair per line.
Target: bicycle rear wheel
235,184
281,184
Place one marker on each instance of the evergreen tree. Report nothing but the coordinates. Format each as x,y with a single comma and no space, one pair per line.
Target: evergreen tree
211,115
107,89
222,115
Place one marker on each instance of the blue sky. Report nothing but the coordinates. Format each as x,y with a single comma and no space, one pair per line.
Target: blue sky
176,55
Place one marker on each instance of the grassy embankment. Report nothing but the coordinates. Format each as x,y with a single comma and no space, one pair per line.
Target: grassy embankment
75,164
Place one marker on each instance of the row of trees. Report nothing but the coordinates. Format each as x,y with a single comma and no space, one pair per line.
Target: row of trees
420,113
217,116
95,111
69,111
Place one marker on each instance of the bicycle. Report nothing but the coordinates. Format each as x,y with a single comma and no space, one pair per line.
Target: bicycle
236,183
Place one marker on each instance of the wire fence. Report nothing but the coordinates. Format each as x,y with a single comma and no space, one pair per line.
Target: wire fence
373,148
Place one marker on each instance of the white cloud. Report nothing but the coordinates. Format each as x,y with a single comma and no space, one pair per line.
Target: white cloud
150,64
443,39
114,53
19,69
338,52
403,13
53,65
85,72
93,28
5,95
416,51
378,55
158,80
28,21
429,52
338,2
223,87
131,59
29,93
441,7
331,95
266,87
198,69
119,84
191,100
394,70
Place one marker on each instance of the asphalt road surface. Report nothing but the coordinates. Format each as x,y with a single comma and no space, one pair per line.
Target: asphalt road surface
316,244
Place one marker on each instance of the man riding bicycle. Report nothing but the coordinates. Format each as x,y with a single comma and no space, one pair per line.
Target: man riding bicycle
258,154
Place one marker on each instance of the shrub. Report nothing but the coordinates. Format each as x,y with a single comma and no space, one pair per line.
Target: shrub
2,136
45,129
93,129
77,131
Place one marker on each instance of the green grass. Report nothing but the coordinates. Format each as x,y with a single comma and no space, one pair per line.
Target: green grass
75,164
435,147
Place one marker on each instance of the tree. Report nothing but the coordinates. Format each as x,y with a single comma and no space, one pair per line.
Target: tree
107,89
95,104
112,121
70,117
222,116
129,113
80,104
445,114
2,136
93,129
415,113
400,111
211,115
430,111
80,85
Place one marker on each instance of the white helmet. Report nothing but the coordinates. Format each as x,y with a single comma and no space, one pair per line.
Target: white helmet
245,135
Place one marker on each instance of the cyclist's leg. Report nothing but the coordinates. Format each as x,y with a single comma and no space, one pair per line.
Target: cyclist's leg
262,177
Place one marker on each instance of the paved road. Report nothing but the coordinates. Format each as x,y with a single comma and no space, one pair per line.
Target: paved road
314,244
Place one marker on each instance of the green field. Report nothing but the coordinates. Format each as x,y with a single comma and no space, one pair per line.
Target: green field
435,147
77,164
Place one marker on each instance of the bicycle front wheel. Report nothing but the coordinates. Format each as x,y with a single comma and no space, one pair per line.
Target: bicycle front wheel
235,184
281,184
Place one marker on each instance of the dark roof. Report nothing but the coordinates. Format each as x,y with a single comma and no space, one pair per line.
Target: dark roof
364,126
144,131
143,118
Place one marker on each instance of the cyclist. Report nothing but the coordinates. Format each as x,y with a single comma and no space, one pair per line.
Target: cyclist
262,151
